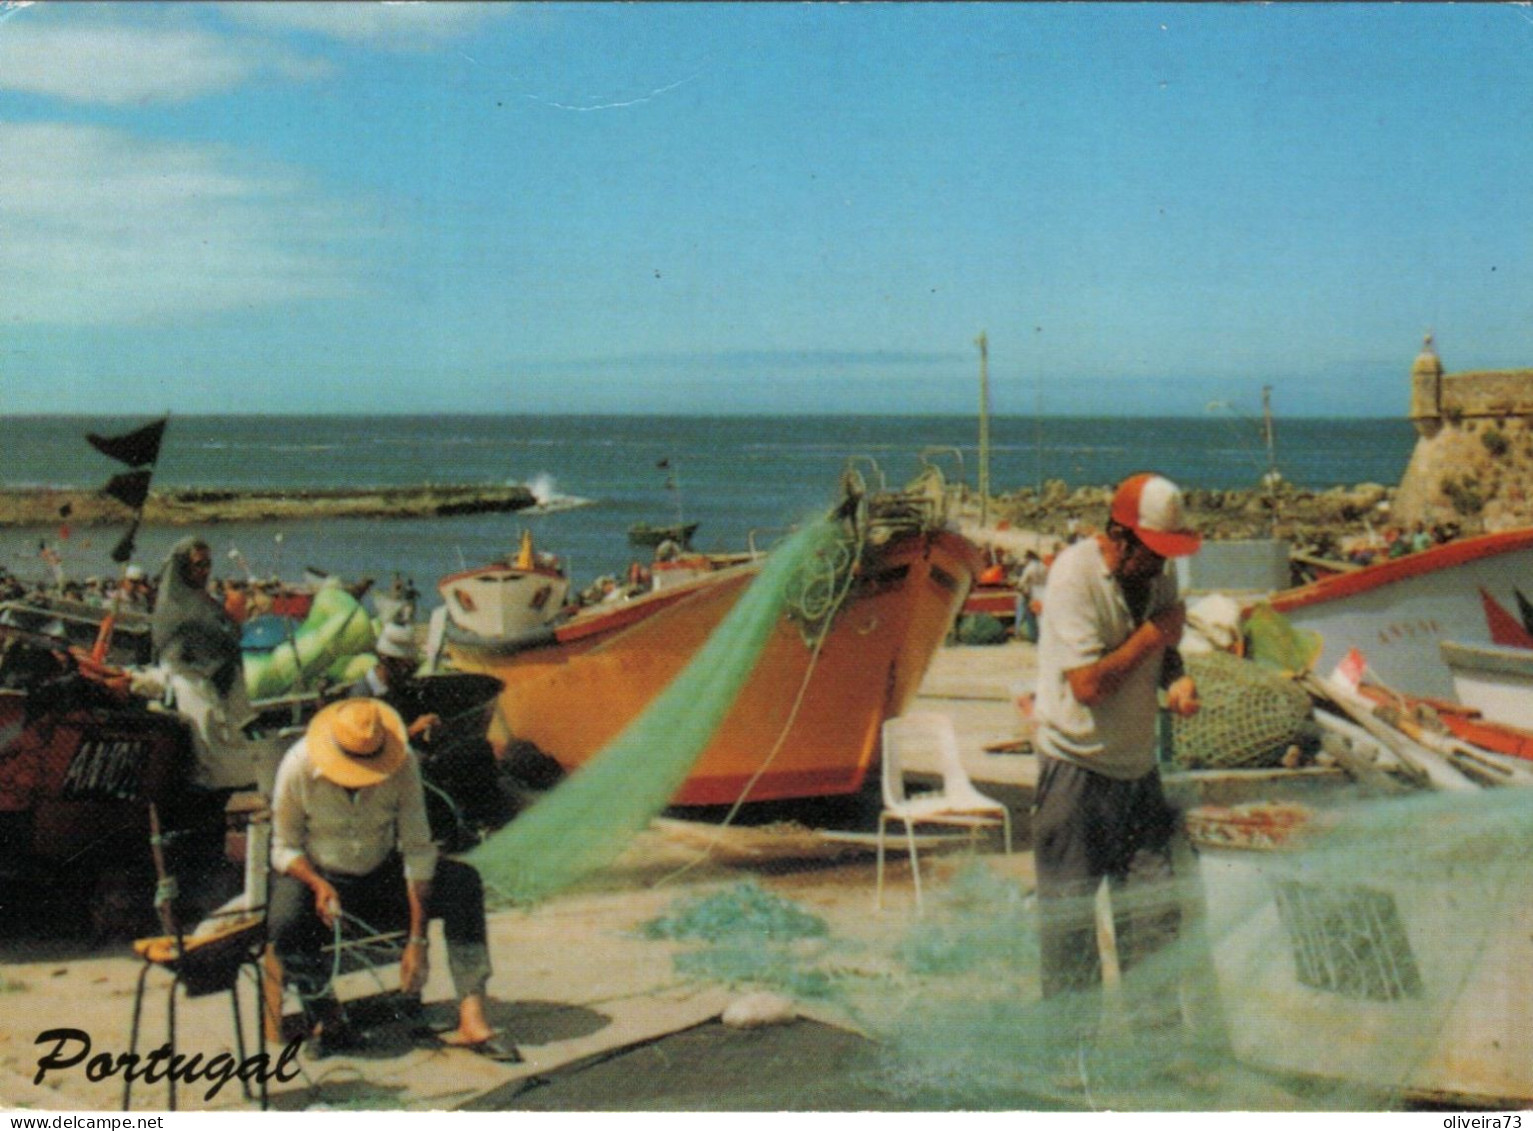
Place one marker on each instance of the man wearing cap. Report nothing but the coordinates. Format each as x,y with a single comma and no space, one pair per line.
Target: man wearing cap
1108,640
350,841
391,677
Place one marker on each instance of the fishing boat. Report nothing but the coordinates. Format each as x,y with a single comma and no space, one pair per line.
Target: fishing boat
1398,612
807,721
645,534
1493,679
507,599
80,763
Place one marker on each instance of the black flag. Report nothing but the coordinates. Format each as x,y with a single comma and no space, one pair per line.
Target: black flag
130,488
138,448
123,551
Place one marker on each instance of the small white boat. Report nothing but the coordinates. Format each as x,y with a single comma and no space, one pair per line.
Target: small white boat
509,598
1494,679
1396,613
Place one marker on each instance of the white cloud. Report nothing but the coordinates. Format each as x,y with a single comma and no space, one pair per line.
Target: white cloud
115,64
98,227
391,27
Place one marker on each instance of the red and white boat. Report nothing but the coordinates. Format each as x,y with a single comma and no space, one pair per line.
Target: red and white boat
1398,612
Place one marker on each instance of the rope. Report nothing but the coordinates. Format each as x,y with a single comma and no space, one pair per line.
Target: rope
818,645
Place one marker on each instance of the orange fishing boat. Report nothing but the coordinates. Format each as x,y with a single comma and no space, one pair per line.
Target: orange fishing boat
807,721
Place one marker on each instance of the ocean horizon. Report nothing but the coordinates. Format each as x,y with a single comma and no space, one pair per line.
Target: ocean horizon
744,479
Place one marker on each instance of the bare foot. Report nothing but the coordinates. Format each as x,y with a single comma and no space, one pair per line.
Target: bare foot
462,1037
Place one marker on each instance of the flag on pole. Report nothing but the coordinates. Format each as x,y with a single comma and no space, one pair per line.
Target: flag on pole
138,448
123,551
130,488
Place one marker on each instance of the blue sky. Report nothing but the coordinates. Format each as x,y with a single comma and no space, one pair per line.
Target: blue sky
758,208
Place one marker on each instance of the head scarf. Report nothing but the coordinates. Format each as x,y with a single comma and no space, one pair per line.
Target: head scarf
190,630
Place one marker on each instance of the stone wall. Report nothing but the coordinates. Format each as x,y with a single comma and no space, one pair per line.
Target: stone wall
1497,393
1475,471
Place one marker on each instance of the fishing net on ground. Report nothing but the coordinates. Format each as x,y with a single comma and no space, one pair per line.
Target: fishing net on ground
1249,715
585,822
1371,957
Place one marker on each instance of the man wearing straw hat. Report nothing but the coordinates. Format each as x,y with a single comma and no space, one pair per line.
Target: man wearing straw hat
350,842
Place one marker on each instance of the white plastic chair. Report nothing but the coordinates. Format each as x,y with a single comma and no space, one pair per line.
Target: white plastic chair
956,803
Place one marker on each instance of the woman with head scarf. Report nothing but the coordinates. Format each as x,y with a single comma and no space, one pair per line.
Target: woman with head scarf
198,646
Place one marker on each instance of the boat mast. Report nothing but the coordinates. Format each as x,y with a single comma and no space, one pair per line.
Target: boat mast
1267,433
673,485
984,428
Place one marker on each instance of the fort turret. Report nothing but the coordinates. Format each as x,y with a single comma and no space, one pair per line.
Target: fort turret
1426,390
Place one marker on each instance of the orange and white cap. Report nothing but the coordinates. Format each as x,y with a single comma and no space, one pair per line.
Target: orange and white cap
1151,506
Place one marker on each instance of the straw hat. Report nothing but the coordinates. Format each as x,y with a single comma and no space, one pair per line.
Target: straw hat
357,742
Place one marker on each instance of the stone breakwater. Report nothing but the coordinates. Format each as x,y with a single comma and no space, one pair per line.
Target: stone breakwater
1313,520
207,506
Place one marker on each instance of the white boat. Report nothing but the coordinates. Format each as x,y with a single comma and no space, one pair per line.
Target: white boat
506,599
1398,612
1495,680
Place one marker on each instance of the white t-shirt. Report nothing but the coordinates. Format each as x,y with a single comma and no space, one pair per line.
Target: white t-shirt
1085,616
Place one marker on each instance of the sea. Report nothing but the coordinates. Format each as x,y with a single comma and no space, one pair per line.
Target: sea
745,480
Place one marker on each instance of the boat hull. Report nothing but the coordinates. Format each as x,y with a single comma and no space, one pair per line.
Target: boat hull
805,724
1397,612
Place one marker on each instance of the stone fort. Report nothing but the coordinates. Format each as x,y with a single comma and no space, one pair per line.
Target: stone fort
1473,461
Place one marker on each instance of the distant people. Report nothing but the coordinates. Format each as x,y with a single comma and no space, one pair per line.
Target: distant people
1421,538
350,837
1029,584
1108,639
133,592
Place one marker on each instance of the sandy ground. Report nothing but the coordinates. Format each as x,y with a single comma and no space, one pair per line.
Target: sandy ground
574,979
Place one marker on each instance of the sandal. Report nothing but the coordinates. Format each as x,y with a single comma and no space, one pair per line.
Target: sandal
491,1048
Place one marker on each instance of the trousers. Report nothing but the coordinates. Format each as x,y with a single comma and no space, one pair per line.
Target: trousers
1087,827
380,900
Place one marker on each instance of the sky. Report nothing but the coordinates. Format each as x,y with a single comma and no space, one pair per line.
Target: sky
743,208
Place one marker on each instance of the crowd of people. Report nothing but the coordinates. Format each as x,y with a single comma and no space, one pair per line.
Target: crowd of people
1397,542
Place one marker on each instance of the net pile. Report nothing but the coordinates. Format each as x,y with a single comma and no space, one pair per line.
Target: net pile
1249,715
1379,957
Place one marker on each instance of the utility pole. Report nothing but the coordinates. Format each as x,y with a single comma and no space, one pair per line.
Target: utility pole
984,428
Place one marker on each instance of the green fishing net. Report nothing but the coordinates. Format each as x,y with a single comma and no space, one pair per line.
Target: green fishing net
1371,957
1248,715
746,910
585,822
